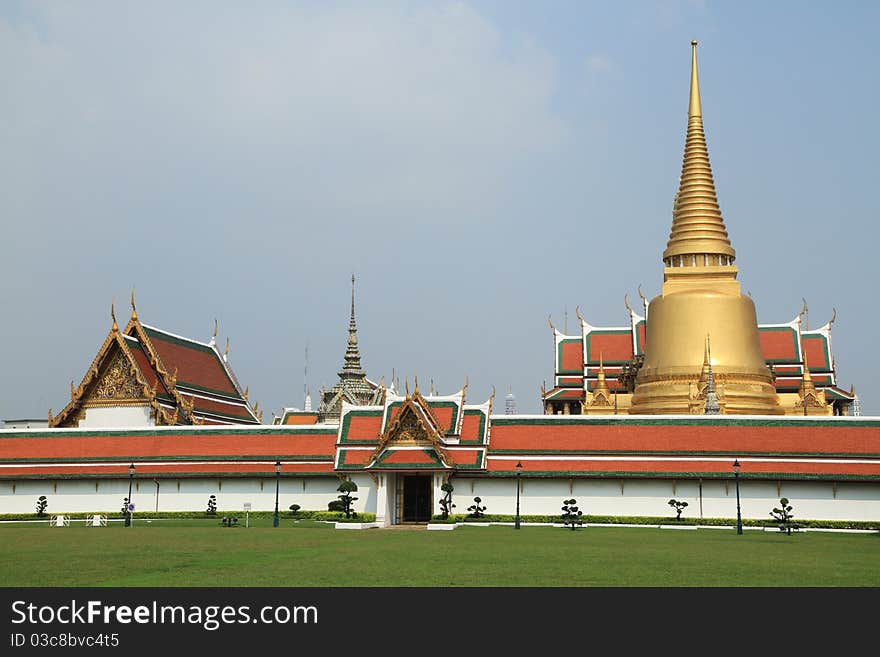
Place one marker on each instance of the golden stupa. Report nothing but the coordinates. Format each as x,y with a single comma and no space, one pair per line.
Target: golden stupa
701,299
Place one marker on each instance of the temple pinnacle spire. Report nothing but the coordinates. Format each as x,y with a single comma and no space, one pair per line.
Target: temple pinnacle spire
353,387
352,366
698,237
694,109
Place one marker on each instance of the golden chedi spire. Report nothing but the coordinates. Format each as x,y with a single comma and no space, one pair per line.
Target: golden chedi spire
701,296
698,235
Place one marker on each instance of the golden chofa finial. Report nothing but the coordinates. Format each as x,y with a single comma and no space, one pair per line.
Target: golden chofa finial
214,334
694,108
134,313
226,352
113,314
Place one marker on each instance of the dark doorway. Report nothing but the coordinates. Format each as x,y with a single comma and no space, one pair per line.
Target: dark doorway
416,498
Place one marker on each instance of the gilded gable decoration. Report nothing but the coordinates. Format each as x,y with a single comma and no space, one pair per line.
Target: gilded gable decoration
119,383
414,425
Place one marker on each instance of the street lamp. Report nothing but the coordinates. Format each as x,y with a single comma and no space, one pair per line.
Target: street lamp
518,473
277,481
739,522
128,505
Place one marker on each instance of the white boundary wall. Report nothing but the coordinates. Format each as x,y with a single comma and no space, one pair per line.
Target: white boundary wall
634,497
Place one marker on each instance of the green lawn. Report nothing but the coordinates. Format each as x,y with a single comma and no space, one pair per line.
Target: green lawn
201,553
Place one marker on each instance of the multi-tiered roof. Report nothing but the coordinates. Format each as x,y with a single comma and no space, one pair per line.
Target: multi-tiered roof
180,380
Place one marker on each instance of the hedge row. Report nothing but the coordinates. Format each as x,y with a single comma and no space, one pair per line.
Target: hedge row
338,516
329,516
662,520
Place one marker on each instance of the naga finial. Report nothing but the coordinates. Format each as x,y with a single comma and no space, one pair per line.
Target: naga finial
550,322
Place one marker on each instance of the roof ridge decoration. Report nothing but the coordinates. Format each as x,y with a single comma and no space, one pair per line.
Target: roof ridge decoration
414,424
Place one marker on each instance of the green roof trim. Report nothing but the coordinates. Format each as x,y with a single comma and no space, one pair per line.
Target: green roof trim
559,370
698,420
346,423
481,432
177,475
600,331
286,458
618,474
731,453
798,357
244,432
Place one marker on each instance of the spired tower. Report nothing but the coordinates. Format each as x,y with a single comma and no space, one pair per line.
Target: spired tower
701,298
353,386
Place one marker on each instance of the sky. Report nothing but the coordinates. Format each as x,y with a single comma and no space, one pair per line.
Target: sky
477,165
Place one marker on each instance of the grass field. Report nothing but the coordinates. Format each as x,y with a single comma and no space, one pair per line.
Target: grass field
201,553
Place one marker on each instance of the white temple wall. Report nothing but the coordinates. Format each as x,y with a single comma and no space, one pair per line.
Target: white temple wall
117,416
635,497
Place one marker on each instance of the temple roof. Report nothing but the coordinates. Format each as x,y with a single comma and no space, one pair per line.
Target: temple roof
182,380
784,346
414,432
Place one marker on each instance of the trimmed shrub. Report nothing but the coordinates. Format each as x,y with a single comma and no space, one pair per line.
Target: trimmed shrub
446,504
678,506
476,510
42,503
571,514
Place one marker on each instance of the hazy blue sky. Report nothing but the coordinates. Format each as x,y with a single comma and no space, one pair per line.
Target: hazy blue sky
478,165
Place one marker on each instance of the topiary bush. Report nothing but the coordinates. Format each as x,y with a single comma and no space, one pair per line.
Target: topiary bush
346,488
476,511
42,503
678,506
783,516
446,504
571,514
212,506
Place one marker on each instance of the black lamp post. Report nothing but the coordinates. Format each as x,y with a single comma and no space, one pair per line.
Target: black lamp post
518,473
128,505
739,522
277,481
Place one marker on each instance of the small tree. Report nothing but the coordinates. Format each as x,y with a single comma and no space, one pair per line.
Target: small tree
476,511
212,506
678,506
571,514
124,509
42,503
294,509
347,488
783,515
446,504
